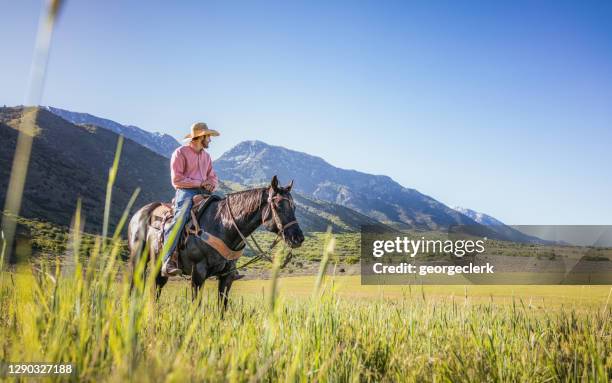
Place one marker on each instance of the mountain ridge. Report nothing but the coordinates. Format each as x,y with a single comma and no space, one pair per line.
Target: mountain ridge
160,143
377,196
499,227
482,218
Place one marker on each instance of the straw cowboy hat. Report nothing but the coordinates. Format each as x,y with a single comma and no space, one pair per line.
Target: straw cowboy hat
200,129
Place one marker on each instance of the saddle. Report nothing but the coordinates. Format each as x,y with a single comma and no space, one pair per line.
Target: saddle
162,215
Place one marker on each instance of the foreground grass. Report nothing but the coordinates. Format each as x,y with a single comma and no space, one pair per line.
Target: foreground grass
291,330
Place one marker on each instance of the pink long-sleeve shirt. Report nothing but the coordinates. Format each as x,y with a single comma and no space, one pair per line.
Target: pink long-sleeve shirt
190,168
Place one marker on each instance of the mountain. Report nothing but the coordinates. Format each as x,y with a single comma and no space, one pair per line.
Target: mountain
376,196
481,218
160,143
71,161
316,215
499,227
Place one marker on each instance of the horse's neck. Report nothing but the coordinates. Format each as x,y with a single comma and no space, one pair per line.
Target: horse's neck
248,224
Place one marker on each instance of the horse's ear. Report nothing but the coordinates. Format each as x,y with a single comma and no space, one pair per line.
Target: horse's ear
288,187
274,184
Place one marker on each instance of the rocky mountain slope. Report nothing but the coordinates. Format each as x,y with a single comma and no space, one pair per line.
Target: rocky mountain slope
160,143
481,218
499,227
377,196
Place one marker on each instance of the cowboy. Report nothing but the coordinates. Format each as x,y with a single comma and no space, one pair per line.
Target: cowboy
191,173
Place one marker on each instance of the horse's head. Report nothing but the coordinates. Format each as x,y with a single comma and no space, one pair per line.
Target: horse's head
279,214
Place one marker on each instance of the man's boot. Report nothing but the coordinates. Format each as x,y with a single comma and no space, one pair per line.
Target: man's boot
170,268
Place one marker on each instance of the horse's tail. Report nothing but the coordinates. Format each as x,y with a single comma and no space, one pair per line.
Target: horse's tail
138,232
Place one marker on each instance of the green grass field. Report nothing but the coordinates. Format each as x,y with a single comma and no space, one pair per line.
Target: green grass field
322,327
349,287
308,328
312,328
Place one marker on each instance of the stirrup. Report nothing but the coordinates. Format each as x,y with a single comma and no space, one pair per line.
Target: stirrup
170,268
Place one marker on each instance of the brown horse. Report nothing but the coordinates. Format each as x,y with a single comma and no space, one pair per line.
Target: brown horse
238,214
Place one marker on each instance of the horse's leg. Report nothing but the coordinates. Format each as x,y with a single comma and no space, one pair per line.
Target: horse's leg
139,241
195,287
225,284
195,290
160,282
198,275
135,266
136,255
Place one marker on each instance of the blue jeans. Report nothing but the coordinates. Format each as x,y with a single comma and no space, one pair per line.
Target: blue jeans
182,205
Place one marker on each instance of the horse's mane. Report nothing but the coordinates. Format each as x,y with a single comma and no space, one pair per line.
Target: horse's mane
242,203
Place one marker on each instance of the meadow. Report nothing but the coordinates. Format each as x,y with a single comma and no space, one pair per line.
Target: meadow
314,328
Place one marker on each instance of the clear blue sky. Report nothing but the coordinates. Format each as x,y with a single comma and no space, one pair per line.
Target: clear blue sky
502,108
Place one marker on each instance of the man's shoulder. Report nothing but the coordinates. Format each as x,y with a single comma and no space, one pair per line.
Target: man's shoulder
179,150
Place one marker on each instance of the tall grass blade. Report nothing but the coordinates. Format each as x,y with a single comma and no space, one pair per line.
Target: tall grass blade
124,215
27,128
328,249
112,175
276,263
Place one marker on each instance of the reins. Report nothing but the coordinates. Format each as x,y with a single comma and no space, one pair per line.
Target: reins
260,254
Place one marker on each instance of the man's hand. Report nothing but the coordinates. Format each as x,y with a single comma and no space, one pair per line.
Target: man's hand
209,187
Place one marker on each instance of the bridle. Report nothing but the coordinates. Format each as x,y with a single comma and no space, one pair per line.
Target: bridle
273,203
